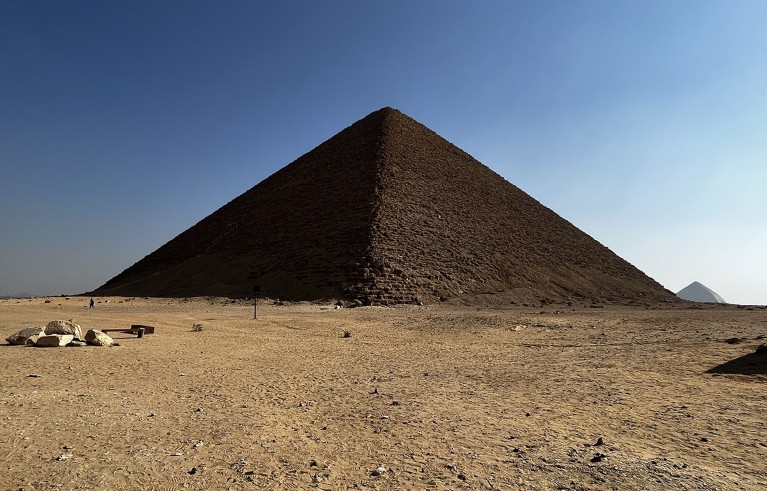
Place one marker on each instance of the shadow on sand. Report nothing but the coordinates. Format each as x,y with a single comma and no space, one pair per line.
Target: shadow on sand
750,364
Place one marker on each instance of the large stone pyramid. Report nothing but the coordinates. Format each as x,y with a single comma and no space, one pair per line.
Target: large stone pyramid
386,211
698,292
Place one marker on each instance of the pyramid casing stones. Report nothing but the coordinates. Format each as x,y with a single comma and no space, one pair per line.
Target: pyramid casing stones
387,211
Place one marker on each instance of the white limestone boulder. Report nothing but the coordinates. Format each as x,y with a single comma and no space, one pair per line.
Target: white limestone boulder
64,327
25,335
54,340
98,338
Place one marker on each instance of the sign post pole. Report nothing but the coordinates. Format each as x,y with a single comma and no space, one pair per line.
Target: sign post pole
256,291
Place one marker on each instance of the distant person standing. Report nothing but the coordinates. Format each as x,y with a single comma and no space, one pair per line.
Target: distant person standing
91,304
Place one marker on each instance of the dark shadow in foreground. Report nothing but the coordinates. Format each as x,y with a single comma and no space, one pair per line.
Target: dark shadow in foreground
750,364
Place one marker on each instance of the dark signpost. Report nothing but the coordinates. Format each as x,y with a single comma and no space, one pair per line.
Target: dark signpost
256,291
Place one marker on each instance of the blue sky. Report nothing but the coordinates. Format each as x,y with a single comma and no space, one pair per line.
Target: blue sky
642,122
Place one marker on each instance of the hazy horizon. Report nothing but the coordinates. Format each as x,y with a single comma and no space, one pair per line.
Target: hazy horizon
125,123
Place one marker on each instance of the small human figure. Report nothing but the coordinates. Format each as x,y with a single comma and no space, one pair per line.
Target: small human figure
91,304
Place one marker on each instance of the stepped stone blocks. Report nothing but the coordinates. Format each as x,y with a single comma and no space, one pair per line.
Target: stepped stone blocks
386,211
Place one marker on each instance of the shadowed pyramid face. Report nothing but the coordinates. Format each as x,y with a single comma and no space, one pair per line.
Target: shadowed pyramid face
386,211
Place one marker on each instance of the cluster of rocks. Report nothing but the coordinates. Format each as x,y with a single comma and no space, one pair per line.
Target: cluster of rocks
59,333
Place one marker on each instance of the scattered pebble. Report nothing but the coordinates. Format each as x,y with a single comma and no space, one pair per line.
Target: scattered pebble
35,375
378,471
176,454
63,457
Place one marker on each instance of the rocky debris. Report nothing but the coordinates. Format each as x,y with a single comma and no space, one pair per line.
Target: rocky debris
379,471
64,327
733,340
76,343
600,442
762,349
197,327
347,334
98,338
34,375
54,340
23,337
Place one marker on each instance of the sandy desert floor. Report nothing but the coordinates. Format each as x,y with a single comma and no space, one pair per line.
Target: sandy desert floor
438,397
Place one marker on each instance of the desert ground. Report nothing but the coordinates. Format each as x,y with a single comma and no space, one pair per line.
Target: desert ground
417,397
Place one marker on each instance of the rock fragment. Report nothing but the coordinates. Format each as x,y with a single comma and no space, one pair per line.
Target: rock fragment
22,337
98,338
598,457
64,327
54,340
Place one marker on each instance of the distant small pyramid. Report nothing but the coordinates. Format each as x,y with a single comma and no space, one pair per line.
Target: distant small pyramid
698,292
386,212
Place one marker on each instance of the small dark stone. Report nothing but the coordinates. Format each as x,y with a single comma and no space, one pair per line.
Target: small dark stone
600,441
461,477
598,457
732,340
192,471
704,439
312,463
